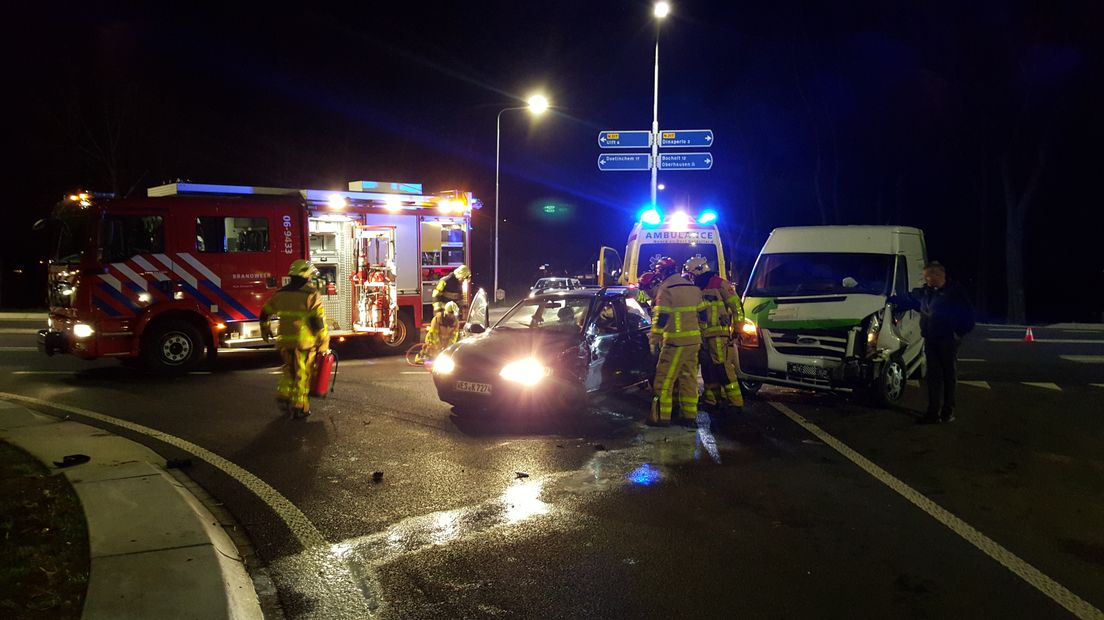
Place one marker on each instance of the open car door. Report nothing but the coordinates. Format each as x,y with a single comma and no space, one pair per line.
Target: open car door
609,266
478,314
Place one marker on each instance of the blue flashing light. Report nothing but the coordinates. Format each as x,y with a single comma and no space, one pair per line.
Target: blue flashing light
709,216
645,475
651,217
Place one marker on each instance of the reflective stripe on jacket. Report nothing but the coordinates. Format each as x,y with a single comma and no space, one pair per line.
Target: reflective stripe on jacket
723,307
679,312
448,289
302,319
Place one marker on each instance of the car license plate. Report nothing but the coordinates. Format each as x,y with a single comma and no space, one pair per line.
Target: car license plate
807,370
474,388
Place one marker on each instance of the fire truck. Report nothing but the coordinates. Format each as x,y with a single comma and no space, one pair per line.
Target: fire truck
170,278
678,235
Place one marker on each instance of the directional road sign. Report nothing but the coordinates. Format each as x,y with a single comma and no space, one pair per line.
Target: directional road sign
624,161
625,139
686,138
685,161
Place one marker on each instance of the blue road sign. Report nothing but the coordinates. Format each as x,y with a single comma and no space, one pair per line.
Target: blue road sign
624,161
625,139
686,138
685,161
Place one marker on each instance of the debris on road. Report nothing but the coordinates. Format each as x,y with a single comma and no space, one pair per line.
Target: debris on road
600,447
377,476
521,474
70,460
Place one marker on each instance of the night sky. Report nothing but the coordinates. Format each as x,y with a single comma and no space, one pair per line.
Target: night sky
931,114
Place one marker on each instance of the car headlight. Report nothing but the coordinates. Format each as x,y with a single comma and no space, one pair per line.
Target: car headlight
872,330
82,330
526,372
749,334
444,364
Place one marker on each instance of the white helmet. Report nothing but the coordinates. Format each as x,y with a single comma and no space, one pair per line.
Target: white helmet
696,266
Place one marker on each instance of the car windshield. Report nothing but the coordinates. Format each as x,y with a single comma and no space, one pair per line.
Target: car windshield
562,314
551,282
821,273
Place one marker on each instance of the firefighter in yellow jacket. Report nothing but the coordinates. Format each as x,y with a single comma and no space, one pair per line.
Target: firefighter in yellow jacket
450,288
677,321
302,333
723,311
444,330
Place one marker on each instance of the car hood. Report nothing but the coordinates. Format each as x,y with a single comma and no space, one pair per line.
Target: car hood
499,346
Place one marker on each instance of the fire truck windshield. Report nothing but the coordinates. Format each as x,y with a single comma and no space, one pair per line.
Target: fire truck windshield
680,252
68,238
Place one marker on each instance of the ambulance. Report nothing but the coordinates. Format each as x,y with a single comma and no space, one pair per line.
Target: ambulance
170,278
679,235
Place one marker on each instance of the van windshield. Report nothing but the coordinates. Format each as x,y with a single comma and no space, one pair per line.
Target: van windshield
821,273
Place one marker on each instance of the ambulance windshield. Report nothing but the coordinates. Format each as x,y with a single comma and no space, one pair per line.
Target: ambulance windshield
680,252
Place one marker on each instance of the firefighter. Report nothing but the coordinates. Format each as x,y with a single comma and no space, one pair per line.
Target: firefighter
646,286
723,312
450,288
302,334
677,321
443,330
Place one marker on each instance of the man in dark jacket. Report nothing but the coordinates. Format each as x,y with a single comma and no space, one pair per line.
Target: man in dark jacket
945,317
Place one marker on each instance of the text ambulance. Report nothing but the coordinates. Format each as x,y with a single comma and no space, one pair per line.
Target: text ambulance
174,276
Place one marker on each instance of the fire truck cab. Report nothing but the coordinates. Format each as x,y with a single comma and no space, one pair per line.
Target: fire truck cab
170,278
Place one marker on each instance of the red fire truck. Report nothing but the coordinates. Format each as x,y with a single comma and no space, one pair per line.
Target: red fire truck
174,276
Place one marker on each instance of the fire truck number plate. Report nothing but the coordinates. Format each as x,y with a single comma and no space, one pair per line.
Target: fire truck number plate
474,388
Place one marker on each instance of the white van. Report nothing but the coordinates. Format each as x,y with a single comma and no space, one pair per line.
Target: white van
818,316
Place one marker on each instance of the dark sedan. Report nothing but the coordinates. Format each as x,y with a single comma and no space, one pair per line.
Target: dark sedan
550,351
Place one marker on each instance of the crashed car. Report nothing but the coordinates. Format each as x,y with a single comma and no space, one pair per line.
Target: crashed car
551,351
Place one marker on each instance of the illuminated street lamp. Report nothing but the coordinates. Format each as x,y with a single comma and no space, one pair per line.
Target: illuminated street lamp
661,10
537,104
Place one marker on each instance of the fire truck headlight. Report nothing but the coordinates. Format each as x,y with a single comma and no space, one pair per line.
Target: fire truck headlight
526,371
83,330
443,364
144,297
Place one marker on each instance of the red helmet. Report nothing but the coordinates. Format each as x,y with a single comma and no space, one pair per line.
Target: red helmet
647,280
665,267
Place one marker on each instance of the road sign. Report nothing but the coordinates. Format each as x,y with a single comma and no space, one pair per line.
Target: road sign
625,139
685,161
624,161
686,138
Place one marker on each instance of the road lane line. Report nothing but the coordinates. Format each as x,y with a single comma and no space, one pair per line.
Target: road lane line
1084,359
44,372
15,349
21,331
970,359
978,384
300,526
1058,593
1099,385
1045,386
1051,340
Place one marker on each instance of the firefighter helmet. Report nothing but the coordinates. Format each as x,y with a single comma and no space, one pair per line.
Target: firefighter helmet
665,267
452,308
462,272
696,266
647,280
302,268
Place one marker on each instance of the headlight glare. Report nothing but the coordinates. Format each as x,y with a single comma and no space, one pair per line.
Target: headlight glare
82,330
444,364
526,371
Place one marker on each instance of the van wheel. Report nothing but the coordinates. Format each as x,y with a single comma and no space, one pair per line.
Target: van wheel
403,335
890,385
172,347
750,388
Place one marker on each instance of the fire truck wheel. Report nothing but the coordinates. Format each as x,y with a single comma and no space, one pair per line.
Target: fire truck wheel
172,347
404,335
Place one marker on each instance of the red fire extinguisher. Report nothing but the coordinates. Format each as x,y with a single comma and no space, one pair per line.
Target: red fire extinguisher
324,375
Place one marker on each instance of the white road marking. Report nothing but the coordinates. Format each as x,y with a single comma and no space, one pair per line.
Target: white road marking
414,372
23,331
1058,593
914,382
1051,340
1099,385
1007,328
14,349
44,372
970,359
1047,386
1084,359
301,527
977,384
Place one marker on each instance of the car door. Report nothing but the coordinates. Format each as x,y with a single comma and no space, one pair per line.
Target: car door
602,346
609,266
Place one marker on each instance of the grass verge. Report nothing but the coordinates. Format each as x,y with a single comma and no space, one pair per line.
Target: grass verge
43,541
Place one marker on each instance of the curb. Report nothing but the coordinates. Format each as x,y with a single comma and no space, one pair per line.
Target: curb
156,551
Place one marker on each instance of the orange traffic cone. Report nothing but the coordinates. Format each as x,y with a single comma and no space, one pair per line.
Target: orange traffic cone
1029,337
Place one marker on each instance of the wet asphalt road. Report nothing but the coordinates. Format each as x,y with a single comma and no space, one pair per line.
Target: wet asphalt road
754,517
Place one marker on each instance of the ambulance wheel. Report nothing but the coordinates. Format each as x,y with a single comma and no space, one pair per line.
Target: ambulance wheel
403,335
172,347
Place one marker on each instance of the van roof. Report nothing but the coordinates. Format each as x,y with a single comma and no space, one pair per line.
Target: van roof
859,239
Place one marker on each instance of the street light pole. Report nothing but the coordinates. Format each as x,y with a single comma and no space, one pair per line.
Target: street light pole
537,105
660,11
